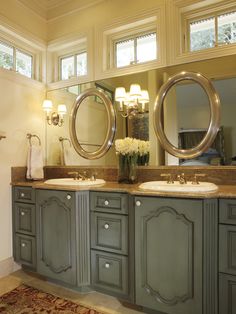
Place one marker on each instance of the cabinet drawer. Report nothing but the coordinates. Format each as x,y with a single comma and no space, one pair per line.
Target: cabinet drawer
24,194
109,202
109,272
25,250
24,218
227,211
227,294
227,249
109,232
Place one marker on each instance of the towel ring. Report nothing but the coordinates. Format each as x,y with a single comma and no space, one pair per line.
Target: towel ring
29,137
63,139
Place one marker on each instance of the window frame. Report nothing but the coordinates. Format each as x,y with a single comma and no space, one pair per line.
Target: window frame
215,15
133,37
23,51
72,54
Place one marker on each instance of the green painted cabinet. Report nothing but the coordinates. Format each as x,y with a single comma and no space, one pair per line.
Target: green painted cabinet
56,234
175,271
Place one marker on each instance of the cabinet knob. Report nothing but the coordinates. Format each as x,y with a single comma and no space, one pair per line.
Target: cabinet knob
22,194
106,202
106,226
107,265
138,203
23,244
68,196
22,213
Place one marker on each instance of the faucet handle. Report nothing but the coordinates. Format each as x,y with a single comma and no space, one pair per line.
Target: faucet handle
74,173
93,176
168,176
196,176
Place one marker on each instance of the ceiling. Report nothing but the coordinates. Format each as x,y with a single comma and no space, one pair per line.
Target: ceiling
51,9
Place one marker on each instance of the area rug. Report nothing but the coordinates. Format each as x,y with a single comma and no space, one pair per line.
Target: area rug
25,300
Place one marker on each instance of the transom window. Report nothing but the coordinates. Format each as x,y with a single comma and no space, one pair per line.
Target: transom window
213,31
12,58
135,50
73,65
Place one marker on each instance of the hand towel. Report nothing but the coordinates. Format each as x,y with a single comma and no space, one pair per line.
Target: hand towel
35,163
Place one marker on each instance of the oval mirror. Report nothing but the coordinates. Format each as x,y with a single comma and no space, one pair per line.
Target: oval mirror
92,124
214,115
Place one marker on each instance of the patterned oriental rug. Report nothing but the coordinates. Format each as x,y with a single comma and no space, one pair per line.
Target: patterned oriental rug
25,300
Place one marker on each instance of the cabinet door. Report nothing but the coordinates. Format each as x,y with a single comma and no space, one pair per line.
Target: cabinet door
55,212
227,294
168,244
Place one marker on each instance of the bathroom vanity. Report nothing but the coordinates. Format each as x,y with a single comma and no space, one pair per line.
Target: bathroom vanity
155,250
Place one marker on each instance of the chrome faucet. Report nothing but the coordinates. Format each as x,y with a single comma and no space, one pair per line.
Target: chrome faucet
182,179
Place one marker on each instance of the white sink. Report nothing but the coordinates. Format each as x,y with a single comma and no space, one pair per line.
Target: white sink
71,181
163,186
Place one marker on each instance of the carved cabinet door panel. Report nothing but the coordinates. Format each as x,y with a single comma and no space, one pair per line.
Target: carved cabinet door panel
168,246
55,219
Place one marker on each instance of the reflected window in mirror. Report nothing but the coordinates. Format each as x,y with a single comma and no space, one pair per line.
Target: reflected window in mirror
73,65
135,50
212,31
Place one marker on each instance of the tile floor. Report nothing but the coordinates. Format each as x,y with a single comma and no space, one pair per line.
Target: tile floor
96,300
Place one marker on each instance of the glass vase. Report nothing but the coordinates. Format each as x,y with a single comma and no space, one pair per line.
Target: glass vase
127,171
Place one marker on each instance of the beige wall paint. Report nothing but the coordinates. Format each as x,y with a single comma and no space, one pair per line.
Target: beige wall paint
20,112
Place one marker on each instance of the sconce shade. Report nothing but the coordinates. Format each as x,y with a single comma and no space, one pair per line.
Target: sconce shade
144,98
61,109
47,105
120,94
135,91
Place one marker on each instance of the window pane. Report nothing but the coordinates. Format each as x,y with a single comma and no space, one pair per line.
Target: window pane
202,34
67,67
24,63
81,64
124,53
146,47
6,56
227,28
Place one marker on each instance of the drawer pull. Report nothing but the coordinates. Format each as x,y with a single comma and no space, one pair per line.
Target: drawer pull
23,244
22,213
107,265
138,203
22,194
106,202
106,226
68,196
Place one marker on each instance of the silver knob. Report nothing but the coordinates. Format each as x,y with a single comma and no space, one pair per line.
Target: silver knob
106,226
22,213
23,244
22,194
138,203
68,196
106,202
107,265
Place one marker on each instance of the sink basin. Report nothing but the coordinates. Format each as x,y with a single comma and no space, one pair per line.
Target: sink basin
163,186
71,181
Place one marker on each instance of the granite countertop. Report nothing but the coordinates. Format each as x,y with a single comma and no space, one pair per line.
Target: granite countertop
224,191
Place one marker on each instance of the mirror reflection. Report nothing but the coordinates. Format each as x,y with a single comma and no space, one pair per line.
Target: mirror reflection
185,117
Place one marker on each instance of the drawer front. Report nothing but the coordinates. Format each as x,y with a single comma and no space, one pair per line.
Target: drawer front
109,202
227,294
24,194
24,218
25,250
109,272
227,249
109,232
227,211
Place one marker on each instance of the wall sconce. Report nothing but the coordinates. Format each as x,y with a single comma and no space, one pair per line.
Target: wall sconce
133,102
56,118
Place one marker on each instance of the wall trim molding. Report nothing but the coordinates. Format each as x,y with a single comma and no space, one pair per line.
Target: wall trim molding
8,266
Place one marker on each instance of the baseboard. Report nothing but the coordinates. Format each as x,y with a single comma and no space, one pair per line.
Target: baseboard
8,266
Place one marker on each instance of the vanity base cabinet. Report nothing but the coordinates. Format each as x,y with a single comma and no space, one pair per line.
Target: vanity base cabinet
170,257
55,225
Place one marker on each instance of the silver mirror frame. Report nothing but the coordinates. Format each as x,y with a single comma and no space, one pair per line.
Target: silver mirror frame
214,123
111,128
